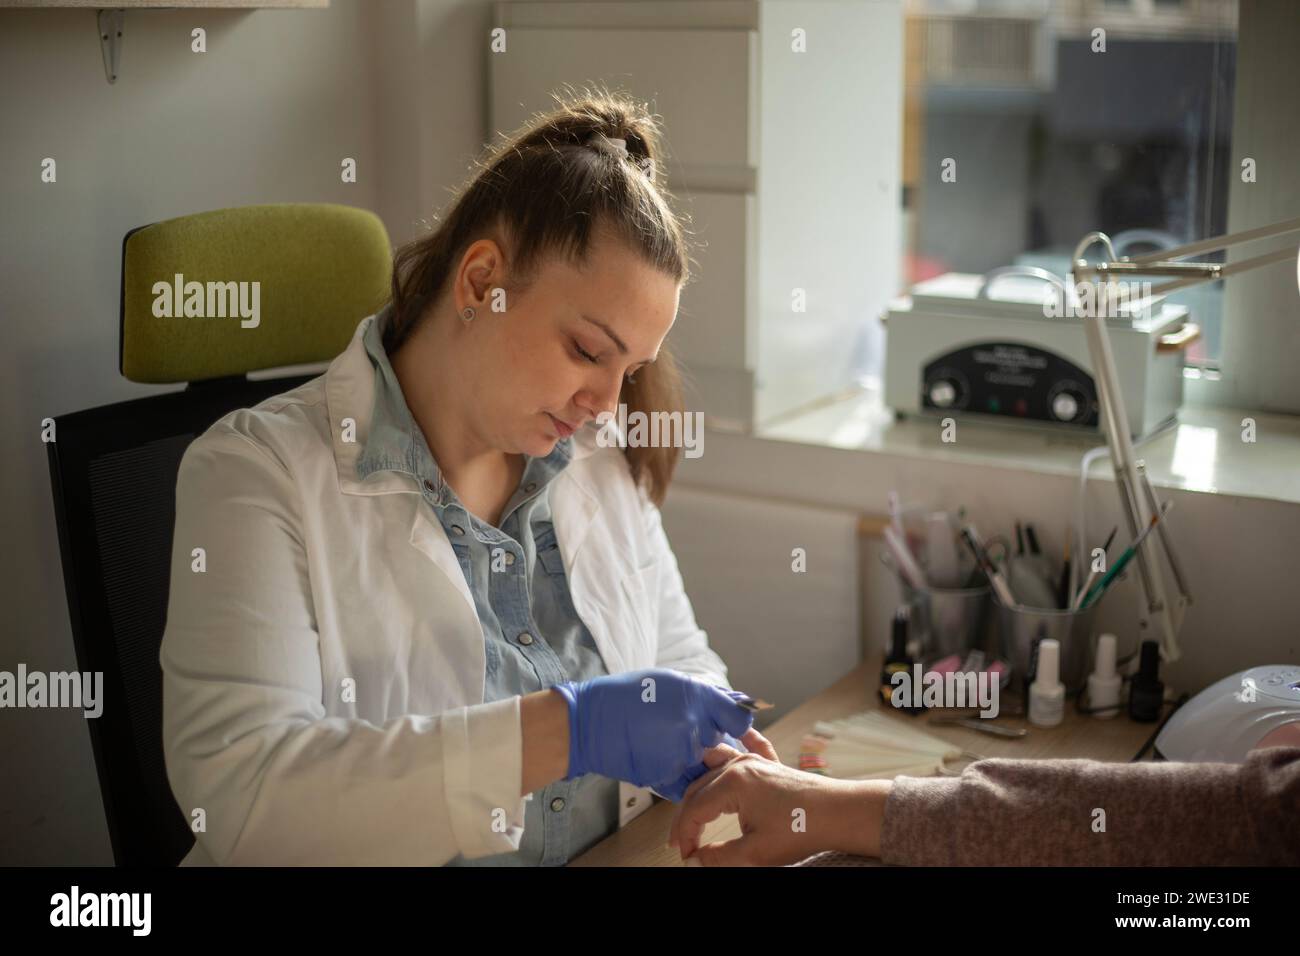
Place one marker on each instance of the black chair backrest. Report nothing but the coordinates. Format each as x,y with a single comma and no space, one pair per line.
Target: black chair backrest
113,471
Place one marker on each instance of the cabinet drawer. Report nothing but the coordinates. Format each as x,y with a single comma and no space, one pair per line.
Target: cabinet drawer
699,81
711,322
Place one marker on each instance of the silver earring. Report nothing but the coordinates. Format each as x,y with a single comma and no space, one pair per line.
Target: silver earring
467,315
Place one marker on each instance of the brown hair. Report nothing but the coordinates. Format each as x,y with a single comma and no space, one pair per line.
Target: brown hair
546,190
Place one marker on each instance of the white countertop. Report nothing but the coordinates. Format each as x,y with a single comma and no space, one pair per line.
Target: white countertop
1202,452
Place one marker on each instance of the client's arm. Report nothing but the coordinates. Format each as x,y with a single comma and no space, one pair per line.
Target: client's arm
1087,813
1012,812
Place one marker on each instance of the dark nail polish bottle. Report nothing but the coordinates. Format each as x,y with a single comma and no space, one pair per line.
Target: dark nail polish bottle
897,658
1146,694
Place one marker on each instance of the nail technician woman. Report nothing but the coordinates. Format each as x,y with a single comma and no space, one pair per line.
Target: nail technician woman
438,620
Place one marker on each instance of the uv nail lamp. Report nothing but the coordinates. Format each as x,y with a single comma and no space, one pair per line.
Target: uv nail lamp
1223,722
1018,353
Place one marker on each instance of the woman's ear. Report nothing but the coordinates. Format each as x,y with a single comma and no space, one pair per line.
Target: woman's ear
481,268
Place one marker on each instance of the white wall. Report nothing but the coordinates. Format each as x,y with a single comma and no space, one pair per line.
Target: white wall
429,93
266,115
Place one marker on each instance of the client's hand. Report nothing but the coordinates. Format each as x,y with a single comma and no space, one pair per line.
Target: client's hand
729,748
786,815
752,742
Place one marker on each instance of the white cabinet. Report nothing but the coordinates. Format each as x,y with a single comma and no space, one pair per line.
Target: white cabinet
783,126
712,335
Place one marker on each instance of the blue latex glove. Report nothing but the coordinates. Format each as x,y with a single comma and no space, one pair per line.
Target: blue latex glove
648,727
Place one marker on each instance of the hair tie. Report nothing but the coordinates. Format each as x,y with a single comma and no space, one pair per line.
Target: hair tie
608,143
617,146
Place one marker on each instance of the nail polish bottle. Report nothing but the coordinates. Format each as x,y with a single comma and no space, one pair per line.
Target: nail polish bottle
897,658
1104,682
1146,694
1047,693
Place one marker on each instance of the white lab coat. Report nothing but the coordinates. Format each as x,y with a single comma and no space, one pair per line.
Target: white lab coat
323,664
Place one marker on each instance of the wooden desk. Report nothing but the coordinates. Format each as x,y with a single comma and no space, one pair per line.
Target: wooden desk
643,842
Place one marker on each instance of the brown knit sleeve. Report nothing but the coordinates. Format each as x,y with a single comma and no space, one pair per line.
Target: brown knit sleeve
1089,813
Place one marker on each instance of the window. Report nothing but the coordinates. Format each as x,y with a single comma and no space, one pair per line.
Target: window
1065,117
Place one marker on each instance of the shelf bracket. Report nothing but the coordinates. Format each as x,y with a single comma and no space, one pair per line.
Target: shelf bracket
110,24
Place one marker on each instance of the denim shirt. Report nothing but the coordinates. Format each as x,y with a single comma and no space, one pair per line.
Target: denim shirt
534,637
